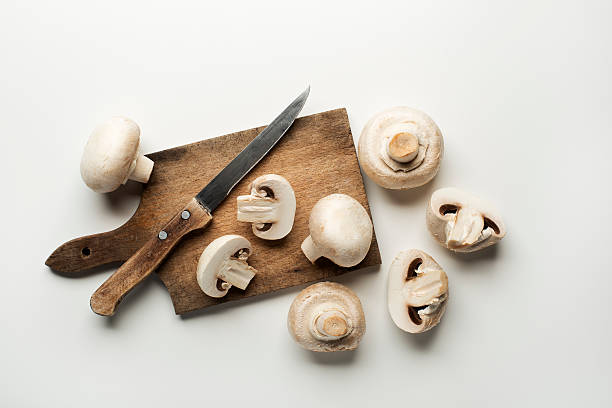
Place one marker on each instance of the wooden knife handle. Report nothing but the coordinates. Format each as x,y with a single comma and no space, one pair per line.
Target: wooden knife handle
105,300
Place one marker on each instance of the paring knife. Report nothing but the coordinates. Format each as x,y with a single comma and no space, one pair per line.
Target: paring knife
195,215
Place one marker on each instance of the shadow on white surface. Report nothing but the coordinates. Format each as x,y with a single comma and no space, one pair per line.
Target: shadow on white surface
332,358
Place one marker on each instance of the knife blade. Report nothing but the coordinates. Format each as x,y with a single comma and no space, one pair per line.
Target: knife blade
195,215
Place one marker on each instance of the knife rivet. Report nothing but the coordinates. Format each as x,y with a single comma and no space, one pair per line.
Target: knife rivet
185,215
162,235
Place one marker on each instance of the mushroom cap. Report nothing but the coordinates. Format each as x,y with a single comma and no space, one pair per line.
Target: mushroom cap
110,154
388,124
341,229
213,260
452,213
319,298
281,193
417,291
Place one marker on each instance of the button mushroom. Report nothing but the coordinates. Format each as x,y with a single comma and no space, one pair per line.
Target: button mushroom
223,264
270,207
340,230
417,291
111,156
401,148
463,222
326,316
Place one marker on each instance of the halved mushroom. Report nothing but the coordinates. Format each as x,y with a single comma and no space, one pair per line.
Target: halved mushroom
223,264
326,316
270,207
463,222
417,291
111,156
340,230
401,148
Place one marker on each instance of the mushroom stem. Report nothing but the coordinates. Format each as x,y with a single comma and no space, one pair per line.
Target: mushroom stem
237,273
260,210
310,250
142,169
330,324
428,285
465,230
403,147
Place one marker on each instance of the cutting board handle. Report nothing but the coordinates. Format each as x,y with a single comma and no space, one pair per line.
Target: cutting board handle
140,265
94,250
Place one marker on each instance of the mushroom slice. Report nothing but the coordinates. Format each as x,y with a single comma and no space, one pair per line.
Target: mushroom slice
463,222
326,316
401,148
223,264
111,156
270,207
417,291
340,230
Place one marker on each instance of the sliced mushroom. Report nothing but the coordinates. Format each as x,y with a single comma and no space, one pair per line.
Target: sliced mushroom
223,264
326,316
270,207
417,291
401,148
111,156
463,222
340,230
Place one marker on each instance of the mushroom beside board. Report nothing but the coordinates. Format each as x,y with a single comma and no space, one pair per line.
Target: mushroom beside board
270,207
463,222
340,230
111,156
417,291
223,264
401,148
326,317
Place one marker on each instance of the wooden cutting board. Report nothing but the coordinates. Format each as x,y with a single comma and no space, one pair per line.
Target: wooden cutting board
317,156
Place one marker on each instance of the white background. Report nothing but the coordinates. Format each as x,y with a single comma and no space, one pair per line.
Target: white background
522,92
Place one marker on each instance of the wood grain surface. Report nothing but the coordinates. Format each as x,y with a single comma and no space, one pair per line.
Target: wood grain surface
317,156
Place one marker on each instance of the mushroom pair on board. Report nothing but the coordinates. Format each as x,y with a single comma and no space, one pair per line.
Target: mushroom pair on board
271,209
111,156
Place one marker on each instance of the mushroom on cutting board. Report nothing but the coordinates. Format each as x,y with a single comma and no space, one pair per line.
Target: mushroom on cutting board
326,316
340,230
223,264
462,222
401,148
270,207
111,156
417,291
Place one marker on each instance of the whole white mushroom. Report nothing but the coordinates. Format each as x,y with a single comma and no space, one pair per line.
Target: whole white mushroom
401,148
326,317
111,156
340,230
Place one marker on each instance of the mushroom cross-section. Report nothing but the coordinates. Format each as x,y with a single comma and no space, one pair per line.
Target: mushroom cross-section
417,291
111,156
401,148
326,316
463,222
223,264
270,207
340,230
